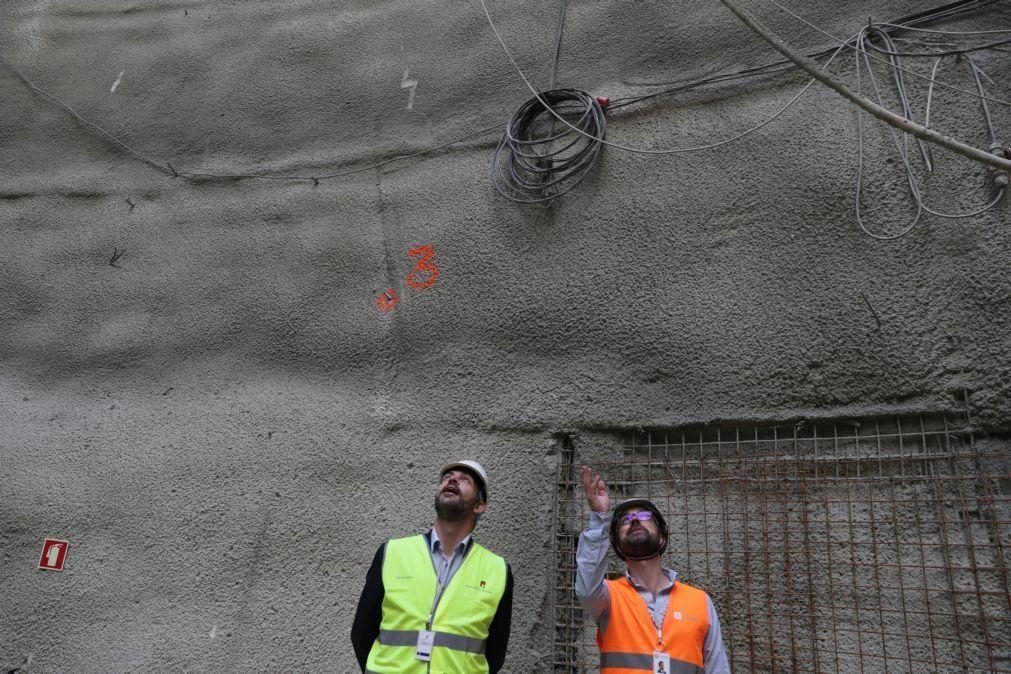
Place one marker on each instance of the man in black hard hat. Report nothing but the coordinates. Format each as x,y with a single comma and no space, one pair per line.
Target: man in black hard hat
648,620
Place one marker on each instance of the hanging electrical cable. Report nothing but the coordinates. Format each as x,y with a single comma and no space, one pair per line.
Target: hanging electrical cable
943,12
863,64
893,27
539,96
529,168
533,163
990,159
901,142
849,43
558,43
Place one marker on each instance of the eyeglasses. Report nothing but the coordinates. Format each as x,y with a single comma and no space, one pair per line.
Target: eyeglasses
642,516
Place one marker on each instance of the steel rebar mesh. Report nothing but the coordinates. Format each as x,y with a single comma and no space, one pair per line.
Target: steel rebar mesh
872,545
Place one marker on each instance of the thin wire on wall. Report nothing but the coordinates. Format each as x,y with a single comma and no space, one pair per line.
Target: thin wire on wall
850,44
863,64
168,169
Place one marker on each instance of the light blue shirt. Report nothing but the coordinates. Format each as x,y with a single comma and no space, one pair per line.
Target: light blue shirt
591,589
445,567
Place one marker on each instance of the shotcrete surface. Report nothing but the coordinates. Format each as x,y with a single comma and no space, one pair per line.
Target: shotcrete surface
224,424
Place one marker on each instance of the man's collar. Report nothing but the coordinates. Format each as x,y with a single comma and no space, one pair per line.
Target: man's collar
432,536
670,574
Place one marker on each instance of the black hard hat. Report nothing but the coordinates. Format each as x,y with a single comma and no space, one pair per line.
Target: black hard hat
645,504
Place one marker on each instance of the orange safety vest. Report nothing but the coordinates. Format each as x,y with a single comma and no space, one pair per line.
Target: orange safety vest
629,639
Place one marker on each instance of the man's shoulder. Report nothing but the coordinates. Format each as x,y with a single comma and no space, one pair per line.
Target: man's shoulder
477,544
493,558
404,540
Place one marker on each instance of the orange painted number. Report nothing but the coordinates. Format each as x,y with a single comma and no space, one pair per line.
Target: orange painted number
428,269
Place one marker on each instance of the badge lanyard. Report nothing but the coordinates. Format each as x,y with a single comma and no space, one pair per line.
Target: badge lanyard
661,660
426,637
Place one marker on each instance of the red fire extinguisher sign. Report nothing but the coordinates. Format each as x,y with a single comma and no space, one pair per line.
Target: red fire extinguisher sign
54,553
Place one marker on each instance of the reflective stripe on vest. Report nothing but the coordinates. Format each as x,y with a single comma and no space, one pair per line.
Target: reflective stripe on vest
630,639
638,662
410,638
461,619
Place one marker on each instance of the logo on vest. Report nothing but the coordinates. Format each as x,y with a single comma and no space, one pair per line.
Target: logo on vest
483,587
677,615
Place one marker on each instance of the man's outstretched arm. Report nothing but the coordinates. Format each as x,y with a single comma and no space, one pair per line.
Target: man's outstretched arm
591,552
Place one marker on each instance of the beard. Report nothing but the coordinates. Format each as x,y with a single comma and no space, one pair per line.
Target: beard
453,508
640,543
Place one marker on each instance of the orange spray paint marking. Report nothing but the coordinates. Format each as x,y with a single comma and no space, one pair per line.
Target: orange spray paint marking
424,266
387,300
424,275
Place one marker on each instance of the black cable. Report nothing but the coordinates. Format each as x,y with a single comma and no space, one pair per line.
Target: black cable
533,164
688,85
943,12
558,43
918,19
950,52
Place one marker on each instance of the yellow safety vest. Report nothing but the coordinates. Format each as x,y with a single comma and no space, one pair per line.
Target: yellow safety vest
461,616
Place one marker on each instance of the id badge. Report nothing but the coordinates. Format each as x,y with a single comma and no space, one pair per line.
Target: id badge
661,663
426,639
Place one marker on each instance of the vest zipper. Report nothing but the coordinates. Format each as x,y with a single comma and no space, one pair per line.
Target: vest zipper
663,620
439,591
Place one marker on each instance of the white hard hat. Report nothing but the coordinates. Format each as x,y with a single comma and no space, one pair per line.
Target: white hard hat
474,467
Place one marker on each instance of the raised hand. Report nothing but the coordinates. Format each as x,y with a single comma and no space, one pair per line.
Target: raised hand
595,490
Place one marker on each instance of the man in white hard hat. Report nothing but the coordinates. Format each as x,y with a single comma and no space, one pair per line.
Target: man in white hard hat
437,601
649,620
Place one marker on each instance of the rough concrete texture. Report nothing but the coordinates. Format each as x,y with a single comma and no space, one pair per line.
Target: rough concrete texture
225,426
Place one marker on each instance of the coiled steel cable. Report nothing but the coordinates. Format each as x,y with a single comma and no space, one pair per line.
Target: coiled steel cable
534,162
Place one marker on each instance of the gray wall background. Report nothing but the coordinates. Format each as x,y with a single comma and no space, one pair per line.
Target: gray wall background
225,427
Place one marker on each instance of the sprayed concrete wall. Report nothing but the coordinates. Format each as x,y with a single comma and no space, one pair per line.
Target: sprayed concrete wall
225,426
